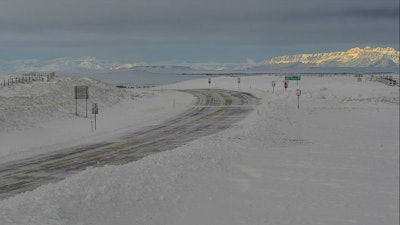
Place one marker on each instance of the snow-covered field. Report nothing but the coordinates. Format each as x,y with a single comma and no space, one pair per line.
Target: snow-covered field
333,161
40,117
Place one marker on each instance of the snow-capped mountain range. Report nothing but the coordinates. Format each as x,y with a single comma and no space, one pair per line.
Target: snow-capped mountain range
354,57
368,58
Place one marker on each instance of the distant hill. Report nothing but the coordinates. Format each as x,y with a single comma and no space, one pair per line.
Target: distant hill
382,58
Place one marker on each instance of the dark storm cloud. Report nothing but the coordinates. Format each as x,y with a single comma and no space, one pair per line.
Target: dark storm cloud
98,23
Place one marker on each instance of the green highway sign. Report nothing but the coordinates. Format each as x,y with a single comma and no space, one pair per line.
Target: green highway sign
296,77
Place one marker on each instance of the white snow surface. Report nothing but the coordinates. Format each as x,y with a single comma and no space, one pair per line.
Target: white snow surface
40,116
335,160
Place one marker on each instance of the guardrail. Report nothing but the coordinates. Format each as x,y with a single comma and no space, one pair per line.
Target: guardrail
27,78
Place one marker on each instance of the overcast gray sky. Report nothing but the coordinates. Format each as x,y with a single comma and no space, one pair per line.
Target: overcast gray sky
193,30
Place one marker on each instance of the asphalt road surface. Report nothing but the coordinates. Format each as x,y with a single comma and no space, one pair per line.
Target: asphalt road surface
215,110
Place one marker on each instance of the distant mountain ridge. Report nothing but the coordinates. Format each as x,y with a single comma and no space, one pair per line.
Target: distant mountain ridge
354,57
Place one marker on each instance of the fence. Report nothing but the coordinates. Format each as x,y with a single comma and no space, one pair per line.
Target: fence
27,78
386,79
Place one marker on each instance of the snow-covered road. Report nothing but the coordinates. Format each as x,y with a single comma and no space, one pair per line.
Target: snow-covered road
214,111
332,161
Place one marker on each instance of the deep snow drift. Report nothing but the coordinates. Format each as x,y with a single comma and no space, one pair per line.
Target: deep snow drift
332,161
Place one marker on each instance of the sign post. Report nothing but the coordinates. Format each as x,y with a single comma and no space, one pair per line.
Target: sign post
81,92
285,84
273,86
238,81
95,111
298,93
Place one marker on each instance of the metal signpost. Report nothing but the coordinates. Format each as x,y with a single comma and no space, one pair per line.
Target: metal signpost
298,93
273,86
81,92
95,111
238,81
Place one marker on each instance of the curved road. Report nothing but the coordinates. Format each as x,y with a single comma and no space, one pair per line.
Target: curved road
214,111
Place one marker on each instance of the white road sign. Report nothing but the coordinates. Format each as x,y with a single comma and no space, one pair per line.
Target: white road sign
298,92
